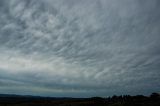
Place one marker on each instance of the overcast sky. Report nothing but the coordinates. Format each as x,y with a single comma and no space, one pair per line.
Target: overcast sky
79,48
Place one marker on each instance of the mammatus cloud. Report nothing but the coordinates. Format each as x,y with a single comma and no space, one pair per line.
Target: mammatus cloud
79,47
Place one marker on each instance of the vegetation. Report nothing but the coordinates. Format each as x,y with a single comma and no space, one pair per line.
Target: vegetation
124,100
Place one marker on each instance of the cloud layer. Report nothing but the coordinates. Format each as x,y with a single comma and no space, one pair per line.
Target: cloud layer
79,47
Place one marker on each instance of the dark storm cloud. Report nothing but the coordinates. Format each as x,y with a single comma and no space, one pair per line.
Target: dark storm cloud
59,47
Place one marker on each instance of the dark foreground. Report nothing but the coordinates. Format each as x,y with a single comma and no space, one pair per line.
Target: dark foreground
125,100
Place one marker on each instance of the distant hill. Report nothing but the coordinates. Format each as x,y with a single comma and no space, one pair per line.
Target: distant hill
123,100
14,95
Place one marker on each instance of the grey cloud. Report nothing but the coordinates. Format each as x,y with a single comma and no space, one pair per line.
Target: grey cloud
104,46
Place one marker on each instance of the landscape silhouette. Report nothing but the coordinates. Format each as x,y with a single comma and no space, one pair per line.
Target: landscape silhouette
122,100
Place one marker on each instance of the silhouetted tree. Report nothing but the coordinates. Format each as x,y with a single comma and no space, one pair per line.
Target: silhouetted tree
155,95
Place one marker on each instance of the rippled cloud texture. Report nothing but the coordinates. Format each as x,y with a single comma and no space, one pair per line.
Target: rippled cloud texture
79,48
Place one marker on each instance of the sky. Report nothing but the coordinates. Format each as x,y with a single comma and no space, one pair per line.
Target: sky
79,48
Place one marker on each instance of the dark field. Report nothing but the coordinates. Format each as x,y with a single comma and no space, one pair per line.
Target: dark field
125,100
